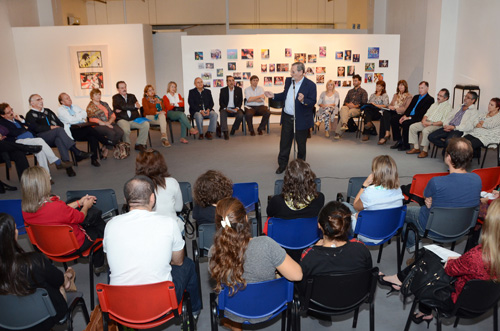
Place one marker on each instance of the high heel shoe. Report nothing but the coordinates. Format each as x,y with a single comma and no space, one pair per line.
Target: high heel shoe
383,282
418,320
384,140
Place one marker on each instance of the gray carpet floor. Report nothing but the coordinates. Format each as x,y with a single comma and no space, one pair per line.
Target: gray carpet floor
254,159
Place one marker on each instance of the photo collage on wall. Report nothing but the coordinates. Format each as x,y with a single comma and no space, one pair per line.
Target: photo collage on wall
240,65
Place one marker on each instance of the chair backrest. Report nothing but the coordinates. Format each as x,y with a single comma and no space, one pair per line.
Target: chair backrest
206,233
276,104
55,241
419,182
258,300
247,193
187,194
350,291
13,208
278,185
380,224
139,304
106,200
296,233
354,186
477,297
451,223
22,312
490,177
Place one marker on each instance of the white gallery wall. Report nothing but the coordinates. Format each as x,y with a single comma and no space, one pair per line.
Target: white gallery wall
309,44
44,63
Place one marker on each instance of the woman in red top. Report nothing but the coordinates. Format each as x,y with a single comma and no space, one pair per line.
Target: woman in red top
39,207
174,106
481,262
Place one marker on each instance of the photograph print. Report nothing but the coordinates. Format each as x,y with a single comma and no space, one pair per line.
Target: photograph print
288,52
232,54
369,66
311,58
90,80
339,55
383,63
247,54
89,59
347,55
322,51
300,57
264,53
231,66
198,56
216,54
373,52
355,58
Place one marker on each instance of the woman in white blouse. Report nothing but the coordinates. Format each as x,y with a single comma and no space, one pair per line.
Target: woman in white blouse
328,107
174,106
487,127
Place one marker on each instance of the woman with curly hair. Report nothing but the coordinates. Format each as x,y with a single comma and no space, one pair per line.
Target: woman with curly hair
299,198
209,188
237,259
151,163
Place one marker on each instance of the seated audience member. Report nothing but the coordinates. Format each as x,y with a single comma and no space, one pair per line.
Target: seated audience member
174,106
159,255
208,189
457,190
328,107
17,132
230,101
152,164
99,112
380,189
486,127
255,106
22,273
413,114
154,111
76,127
481,262
201,107
299,198
432,121
458,123
42,208
237,259
390,118
355,98
334,253
49,127
376,102
126,108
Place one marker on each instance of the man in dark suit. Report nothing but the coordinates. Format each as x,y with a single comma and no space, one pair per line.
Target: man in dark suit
413,114
201,106
300,97
230,100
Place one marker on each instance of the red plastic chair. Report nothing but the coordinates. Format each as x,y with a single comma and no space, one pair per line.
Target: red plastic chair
490,178
143,306
418,184
59,243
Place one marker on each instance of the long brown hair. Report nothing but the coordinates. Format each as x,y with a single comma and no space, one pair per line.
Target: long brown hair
35,188
491,239
152,164
299,184
230,245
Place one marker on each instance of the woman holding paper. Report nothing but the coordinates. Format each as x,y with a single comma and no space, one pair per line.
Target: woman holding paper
400,101
373,110
481,262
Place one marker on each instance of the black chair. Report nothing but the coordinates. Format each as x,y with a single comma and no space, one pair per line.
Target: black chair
338,294
486,152
477,297
106,200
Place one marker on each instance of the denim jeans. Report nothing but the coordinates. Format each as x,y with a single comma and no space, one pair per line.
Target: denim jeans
184,277
199,121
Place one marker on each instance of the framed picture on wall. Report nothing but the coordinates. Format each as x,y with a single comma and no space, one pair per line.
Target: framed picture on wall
383,63
232,54
272,67
347,55
209,65
311,58
89,69
288,52
309,71
89,59
264,53
268,81
351,70
279,80
377,77
206,76
198,56
368,78
239,83
320,79
322,51
216,54
355,58
249,64
246,75
282,67
340,71
300,57
218,82
337,83
263,68
346,83
321,70
339,55
369,66
207,84
90,80
220,72
231,66
373,52
201,65
247,54
237,75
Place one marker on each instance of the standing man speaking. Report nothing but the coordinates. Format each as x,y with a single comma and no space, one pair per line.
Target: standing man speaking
300,97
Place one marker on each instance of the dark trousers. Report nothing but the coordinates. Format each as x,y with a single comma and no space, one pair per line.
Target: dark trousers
390,119
95,231
113,135
184,278
286,141
476,143
223,119
15,152
58,138
92,136
371,113
440,137
251,111
405,130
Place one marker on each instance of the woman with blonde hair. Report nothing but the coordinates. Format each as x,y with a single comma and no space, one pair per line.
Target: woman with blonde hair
153,110
174,107
328,107
237,259
481,262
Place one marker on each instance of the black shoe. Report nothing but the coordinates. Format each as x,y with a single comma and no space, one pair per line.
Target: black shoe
8,187
70,172
260,132
218,131
418,320
232,132
31,148
226,136
200,136
2,189
280,170
95,163
383,282
252,133
397,145
404,147
140,148
82,156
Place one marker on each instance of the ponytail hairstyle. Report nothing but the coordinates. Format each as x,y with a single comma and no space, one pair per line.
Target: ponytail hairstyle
230,244
335,220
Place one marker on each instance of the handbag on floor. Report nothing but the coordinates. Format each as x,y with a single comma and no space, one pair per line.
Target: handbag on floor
428,281
121,151
95,323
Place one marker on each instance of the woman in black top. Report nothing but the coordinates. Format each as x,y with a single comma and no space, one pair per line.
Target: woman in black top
21,273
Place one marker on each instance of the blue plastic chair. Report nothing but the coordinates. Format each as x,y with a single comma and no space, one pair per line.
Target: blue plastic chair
106,200
278,185
295,234
381,225
13,208
248,194
257,300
